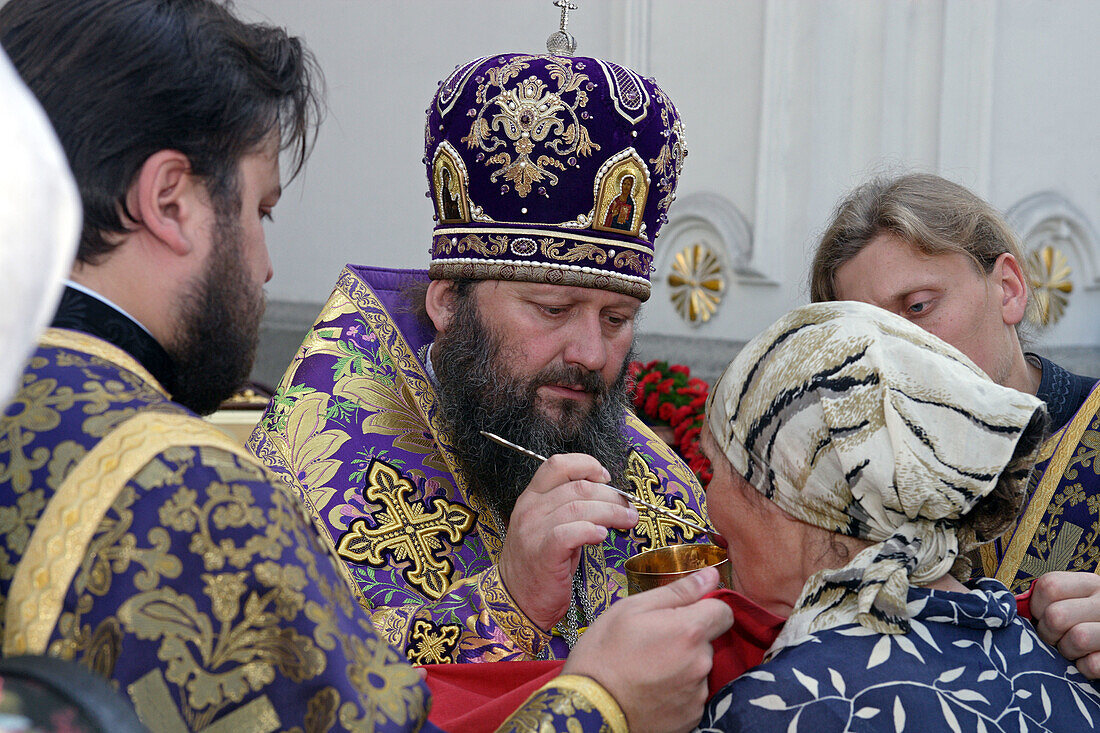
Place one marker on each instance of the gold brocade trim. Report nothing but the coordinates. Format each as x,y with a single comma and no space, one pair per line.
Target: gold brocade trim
596,585
59,542
563,252
550,233
589,689
1052,477
540,273
988,553
63,338
523,632
1047,449
362,296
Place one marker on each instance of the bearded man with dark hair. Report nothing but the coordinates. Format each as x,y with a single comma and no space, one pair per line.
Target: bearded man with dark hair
466,551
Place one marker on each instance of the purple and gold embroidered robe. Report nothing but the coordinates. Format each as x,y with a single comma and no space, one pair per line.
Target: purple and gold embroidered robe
353,429
1059,527
138,540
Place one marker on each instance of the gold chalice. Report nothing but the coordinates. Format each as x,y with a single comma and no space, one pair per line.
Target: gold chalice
654,568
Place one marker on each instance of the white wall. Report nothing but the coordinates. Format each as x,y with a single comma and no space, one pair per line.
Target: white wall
362,197
787,104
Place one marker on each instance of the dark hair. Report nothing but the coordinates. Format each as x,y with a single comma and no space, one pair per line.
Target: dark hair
415,296
123,79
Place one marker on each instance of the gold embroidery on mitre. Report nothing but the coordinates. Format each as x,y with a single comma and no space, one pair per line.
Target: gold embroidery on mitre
433,644
539,126
658,529
450,181
406,531
621,196
552,273
494,246
669,163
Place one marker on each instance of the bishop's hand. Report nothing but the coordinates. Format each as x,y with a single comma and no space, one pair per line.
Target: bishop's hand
652,652
565,507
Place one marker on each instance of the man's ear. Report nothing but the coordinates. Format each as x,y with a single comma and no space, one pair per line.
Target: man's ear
440,303
161,199
1009,274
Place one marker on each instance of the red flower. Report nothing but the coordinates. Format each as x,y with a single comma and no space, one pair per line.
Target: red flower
667,393
680,414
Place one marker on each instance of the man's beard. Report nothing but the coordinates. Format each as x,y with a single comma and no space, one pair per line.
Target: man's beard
477,393
219,324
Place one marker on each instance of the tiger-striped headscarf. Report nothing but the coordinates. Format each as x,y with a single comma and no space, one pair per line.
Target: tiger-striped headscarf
854,420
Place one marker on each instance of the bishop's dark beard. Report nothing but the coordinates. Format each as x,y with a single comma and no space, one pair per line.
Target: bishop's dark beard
219,324
476,392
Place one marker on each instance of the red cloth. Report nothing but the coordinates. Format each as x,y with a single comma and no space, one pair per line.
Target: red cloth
471,698
468,698
743,646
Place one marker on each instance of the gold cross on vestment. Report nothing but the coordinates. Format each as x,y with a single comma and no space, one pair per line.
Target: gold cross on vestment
658,528
407,531
434,644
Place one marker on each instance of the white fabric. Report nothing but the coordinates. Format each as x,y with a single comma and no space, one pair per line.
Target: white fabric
854,420
40,217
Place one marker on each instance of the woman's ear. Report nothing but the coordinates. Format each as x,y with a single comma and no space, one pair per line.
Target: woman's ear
162,199
440,303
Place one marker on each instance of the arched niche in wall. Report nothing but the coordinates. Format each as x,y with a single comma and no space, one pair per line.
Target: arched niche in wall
704,248
1053,232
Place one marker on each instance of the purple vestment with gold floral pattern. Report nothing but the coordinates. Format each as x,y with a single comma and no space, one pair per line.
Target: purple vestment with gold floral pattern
353,429
202,590
1059,525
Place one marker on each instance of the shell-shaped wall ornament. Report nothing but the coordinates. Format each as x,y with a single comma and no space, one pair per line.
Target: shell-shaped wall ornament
696,283
1051,286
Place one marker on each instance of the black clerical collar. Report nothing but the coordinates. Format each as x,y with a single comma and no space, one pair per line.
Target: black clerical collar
80,311
1062,391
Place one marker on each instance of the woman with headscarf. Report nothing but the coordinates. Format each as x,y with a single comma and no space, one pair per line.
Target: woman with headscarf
857,461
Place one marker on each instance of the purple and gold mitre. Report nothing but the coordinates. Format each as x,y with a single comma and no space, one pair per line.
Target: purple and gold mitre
555,169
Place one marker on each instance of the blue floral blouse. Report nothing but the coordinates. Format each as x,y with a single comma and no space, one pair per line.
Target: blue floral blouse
967,664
